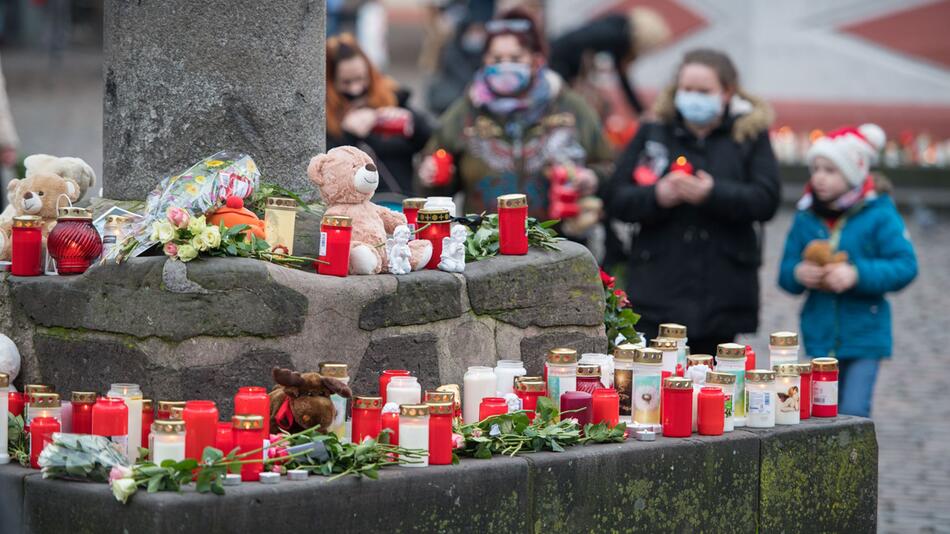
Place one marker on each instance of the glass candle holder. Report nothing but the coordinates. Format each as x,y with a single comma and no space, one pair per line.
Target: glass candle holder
113,233
41,434
670,350
165,408
16,403
28,391
45,405
443,168
804,371
335,236
788,388
167,441
249,436
479,382
148,417
338,371
606,407
110,418
513,225
434,226
562,373
783,348
505,373
384,379
414,430
4,428
410,208
253,400
727,383
389,420
824,384
27,246
623,379
760,398
529,391
731,358
224,436
647,369
491,406
440,432
588,377
404,390
676,332
677,407
367,422
132,395
280,220
699,359
711,411
580,404
74,242
606,363
201,427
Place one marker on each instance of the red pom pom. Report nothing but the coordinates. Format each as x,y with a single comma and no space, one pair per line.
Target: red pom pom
235,203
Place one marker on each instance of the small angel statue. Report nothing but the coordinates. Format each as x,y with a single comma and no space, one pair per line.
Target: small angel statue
453,250
397,249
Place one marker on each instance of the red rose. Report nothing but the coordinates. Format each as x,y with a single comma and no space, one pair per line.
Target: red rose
622,295
606,279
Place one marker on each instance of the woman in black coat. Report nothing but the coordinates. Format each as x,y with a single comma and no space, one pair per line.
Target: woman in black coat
696,252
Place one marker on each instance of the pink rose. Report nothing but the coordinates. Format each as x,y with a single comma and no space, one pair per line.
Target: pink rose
119,472
458,441
178,217
170,249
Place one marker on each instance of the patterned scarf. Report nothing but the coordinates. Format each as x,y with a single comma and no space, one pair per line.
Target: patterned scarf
519,111
836,208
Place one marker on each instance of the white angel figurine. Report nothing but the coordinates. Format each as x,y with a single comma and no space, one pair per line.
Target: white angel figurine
397,249
453,250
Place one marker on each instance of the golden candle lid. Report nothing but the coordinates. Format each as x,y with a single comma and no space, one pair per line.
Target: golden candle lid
677,382
439,396
664,343
718,377
280,203
648,356
368,403
783,339
248,422
414,203
167,405
824,364
625,352
413,410
73,212
787,369
146,405
530,385
176,412
333,369
441,408
116,220
45,400
672,330
83,397
562,355
528,379
4,380
433,215
27,221
337,220
699,359
588,369
30,389
803,368
760,375
730,351
516,200
168,426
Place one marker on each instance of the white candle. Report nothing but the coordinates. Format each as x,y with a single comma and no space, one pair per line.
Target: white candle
132,395
505,373
783,348
647,371
66,417
606,363
339,372
562,373
677,332
414,430
760,398
670,352
404,390
697,374
623,379
4,410
479,382
730,358
167,441
788,387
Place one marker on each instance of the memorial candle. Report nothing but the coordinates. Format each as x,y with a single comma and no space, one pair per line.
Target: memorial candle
384,379
45,405
647,364
434,226
681,164
249,436
440,432
479,382
28,392
389,420
588,377
27,246
82,404
367,420
699,359
410,208
491,406
580,401
404,390
711,411
253,400
335,236
41,434
280,219
670,350
132,395
677,407
676,332
224,436
727,383
201,427
606,407
529,391
148,417
513,224
783,348
110,418
760,398
731,358
165,408
340,403
506,371
74,242
4,428
804,370
414,430
15,402
562,373
623,379
167,441
788,386
824,387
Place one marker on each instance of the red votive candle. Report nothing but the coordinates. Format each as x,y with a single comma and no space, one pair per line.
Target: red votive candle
513,224
165,409
434,225
148,417
681,164
385,377
390,421
749,358
677,406
15,403
588,377
41,433
440,432
367,420
824,387
201,427
110,418
491,406
577,400
443,168
27,246
255,401
606,406
335,235
248,436
711,412
529,391
410,208
74,242
82,404
804,370
224,436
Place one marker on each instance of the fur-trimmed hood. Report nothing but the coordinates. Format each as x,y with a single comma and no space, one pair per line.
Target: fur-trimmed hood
750,115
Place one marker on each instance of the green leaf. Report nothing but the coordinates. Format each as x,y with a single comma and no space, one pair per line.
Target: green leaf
155,483
211,455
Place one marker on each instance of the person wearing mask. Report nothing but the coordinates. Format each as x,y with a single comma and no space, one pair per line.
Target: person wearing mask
460,57
367,110
515,125
697,182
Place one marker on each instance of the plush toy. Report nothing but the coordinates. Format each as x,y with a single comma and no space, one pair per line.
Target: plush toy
36,195
302,400
821,252
347,179
74,169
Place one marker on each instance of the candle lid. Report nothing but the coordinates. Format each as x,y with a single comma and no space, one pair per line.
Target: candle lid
730,351
167,405
803,368
337,220
672,330
280,203
527,379
825,364
677,382
717,377
368,403
4,380
783,339
699,359
248,422
176,412
439,396
530,385
30,389
73,212
413,410
760,375
433,215
146,405
516,200
413,203
27,221
787,369
588,369
441,408
116,220
562,355
648,356
625,352
333,369
168,425
664,343
45,400
83,397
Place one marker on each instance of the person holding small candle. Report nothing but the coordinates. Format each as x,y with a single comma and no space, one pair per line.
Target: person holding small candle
845,209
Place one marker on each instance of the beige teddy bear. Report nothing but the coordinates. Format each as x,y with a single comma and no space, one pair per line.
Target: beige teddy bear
347,179
36,195
75,169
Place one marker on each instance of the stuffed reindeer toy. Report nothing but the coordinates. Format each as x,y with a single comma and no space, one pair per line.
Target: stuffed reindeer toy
302,400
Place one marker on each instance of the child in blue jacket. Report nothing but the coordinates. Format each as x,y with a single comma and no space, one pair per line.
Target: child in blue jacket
845,314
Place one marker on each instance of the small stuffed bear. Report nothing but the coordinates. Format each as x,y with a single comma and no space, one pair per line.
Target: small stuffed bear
347,179
302,400
36,195
74,169
821,252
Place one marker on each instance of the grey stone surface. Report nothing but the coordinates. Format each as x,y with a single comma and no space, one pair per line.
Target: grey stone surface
75,361
250,368
421,297
539,289
186,79
534,349
417,353
12,481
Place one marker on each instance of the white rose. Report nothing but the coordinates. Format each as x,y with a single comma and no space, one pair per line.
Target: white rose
197,225
212,235
162,231
187,253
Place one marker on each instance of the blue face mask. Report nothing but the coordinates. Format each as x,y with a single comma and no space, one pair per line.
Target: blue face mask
698,108
508,79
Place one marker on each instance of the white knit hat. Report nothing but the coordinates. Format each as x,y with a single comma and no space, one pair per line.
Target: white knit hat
852,150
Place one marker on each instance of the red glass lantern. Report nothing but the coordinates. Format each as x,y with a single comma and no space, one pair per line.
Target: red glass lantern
253,400
82,403
165,409
440,432
588,377
749,358
434,226
606,407
398,125
390,421
201,427
529,391
27,243
367,422
74,242
681,164
385,377
711,412
224,437
824,387
15,403
513,224
410,208
41,434
336,233
110,418
577,400
492,406
443,168
148,417
804,370
248,436
677,403
562,195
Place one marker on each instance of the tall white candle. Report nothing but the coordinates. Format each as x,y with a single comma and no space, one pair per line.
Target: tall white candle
479,382
4,410
783,348
730,358
760,398
788,387
414,430
338,371
647,371
132,395
167,441
404,390
677,332
505,373
670,350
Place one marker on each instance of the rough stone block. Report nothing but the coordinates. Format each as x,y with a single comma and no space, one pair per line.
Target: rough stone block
417,353
12,481
74,360
421,297
534,349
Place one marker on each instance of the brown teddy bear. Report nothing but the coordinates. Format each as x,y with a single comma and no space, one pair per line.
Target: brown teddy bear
75,169
36,195
821,252
302,400
347,179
